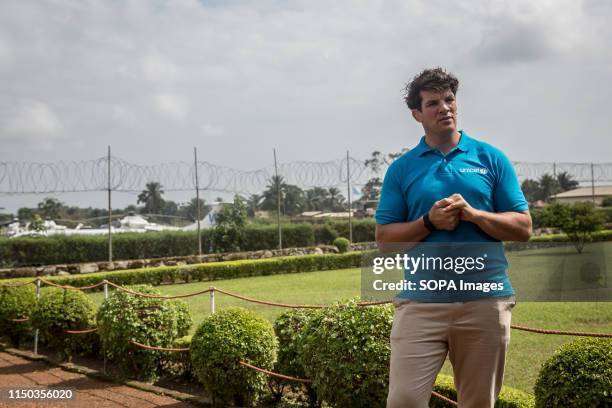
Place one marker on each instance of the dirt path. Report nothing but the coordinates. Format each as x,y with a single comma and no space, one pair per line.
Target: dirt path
17,372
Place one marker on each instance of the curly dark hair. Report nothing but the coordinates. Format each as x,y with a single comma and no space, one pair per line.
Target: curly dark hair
436,79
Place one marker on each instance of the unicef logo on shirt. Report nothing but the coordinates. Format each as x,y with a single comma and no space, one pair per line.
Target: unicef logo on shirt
480,170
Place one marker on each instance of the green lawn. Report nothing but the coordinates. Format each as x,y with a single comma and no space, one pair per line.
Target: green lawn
527,350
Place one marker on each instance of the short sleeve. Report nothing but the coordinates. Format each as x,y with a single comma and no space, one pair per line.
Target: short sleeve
392,207
508,195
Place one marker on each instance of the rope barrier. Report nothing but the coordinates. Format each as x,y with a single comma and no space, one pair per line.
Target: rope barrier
86,331
442,397
264,302
148,295
287,305
68,287
16,285
560,332
144,346
277,375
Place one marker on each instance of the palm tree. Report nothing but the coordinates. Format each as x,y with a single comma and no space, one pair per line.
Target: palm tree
566,182
335,199
548,186
152,198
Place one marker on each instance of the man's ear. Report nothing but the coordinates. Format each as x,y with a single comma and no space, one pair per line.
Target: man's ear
417,115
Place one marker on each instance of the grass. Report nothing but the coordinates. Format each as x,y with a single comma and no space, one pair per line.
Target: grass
527,350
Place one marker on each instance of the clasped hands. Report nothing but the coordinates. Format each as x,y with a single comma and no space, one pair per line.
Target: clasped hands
446,213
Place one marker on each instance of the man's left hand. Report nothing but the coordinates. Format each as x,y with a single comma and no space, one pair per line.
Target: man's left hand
468,213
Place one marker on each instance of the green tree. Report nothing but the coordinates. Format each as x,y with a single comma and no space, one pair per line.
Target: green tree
228,234
582,222
50,208
292,197
37,223
376,163
254,204
190,210
566,181
152,199
531,190
336,199
316,198
25,213
578,221
549,186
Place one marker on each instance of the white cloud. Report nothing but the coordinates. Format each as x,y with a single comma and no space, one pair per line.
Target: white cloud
158,68
211,130
171,106
35,124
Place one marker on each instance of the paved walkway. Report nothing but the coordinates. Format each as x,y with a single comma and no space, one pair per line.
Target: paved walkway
17,372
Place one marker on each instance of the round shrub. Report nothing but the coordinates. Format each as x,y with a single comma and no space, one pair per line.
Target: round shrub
16,303
150,321
221,342
289,329
342,244
324,234
59,310
345,352
578,375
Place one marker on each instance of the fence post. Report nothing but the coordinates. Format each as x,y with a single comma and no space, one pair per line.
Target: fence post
110,210
348,190
212,299
103,348
36,331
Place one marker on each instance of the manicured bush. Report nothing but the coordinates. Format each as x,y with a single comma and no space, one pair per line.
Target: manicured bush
221,342
508,397
61,249
178,363
342,244
578,375
345,352
59,310
150,321
16,303
216,270
289,329
324,233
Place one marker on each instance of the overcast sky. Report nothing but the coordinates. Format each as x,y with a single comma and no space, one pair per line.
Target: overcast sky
155,78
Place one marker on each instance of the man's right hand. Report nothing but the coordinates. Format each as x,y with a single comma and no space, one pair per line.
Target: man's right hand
444,220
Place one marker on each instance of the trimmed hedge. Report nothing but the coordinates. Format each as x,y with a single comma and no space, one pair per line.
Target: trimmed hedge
150,321
221,342
345,352
508,397
61,249
289,329
342,244
214,270
578,375
16,303
59,310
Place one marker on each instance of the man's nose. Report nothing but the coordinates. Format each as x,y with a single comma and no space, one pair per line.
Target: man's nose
444,107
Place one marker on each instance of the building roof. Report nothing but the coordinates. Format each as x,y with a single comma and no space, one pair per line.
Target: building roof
585,192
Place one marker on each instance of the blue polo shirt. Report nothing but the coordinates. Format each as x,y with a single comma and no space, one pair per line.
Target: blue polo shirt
485,177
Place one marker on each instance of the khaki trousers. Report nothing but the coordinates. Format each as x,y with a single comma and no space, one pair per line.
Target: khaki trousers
474,334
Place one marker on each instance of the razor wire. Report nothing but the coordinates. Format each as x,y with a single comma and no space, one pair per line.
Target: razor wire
92,175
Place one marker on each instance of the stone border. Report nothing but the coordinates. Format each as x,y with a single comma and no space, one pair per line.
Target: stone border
92,267
178,395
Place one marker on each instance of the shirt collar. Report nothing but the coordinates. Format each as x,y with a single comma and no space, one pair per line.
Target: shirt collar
463,145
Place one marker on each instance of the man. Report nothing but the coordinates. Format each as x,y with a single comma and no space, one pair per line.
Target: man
451,189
